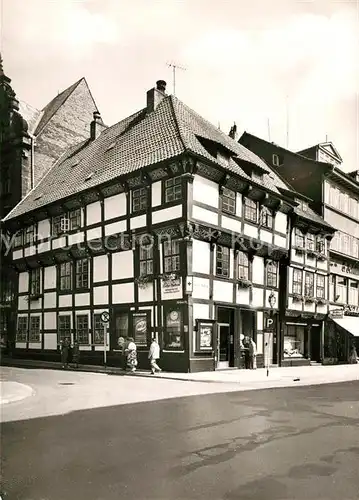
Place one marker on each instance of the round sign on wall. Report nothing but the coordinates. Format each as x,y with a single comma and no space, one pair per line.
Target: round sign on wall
105,317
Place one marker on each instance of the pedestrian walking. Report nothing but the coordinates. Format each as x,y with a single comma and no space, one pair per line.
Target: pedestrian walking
353,357
247,360
65,352
154,356
131,354
76,354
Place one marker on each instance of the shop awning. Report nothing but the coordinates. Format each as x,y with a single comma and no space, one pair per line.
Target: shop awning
349,323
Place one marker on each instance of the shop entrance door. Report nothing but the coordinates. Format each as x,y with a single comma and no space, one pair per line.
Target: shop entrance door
315,335
223,345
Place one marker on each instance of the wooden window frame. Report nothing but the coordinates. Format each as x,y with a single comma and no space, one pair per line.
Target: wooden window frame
22,333
272,274
267,218
82,330
139,198
299,238
229,201
320,289
56,225
80,281
296,284
30,234
35,282
75,219
310,242
243,264
34,330
223,256
19,238
68,274
251,210
64,327
173,256
98,330
172,189
320,244
146,260
309,287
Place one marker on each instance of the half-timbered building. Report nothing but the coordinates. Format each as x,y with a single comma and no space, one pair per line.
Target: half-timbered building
168,224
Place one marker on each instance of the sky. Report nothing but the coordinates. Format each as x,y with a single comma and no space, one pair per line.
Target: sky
284,70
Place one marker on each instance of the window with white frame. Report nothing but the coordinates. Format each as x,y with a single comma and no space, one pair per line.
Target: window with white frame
82,274
139,199
228,201
65,272
146,260
297,281
34,332
30,234
331,288
82,328
272,274
64,327
320,286
171,256
19,238
266,218
98,330
320,244
173,189
243,266
309,284
75,219
310,242
353,293
251,210
275,160
56,226
298,238
341,290
22,329
222,261
294,341
35,281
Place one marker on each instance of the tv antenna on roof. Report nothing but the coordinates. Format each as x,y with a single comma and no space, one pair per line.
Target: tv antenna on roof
174,67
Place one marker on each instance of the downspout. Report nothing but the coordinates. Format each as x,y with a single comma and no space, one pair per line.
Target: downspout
32,170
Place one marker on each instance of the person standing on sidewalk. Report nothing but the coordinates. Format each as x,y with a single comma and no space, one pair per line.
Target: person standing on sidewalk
154,356
252,354
131,352
76,354
65,352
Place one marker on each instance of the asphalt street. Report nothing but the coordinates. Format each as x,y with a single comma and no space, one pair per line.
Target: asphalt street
275,444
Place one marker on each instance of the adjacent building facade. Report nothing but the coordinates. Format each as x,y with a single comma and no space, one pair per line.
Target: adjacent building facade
316,173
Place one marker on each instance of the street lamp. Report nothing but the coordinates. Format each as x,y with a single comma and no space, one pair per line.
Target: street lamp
272,301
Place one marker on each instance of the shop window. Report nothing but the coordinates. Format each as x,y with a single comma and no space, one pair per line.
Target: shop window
121,328
98,329
139,199
35,285
146,260
141,324
64,327
266,218
173,329
272,274
320,286
294,341
243,266
297,281
30,234
82,274
309,284
299,238
75,219
228,201
171,256
353,293
222,261
82,328
251,210
310,243
22,327
66,276
34,333
173,189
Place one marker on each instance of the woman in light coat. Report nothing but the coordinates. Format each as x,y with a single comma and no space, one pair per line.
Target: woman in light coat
131,352
154,355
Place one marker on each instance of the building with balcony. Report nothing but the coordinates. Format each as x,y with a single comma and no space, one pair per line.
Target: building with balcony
168,224
316,173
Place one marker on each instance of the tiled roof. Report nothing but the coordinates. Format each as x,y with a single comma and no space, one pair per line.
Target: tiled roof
140,140
51,108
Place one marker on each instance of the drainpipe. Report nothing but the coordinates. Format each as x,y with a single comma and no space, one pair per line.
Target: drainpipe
32,170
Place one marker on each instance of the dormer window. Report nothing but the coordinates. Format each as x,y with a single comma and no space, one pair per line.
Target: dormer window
228,201
303,205
275,160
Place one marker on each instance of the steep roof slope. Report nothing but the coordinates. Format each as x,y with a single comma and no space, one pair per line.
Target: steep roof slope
140,140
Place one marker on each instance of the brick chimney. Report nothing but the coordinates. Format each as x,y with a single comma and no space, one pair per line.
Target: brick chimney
155,95
233,132
96,126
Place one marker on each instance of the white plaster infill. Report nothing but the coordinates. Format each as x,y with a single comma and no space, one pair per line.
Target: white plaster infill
11,392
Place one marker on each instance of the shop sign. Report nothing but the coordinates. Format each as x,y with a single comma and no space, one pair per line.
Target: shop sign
269,324
171,288
351,310
336,313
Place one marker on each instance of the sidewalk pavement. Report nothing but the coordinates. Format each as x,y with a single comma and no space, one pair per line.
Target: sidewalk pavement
10,392
285,376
